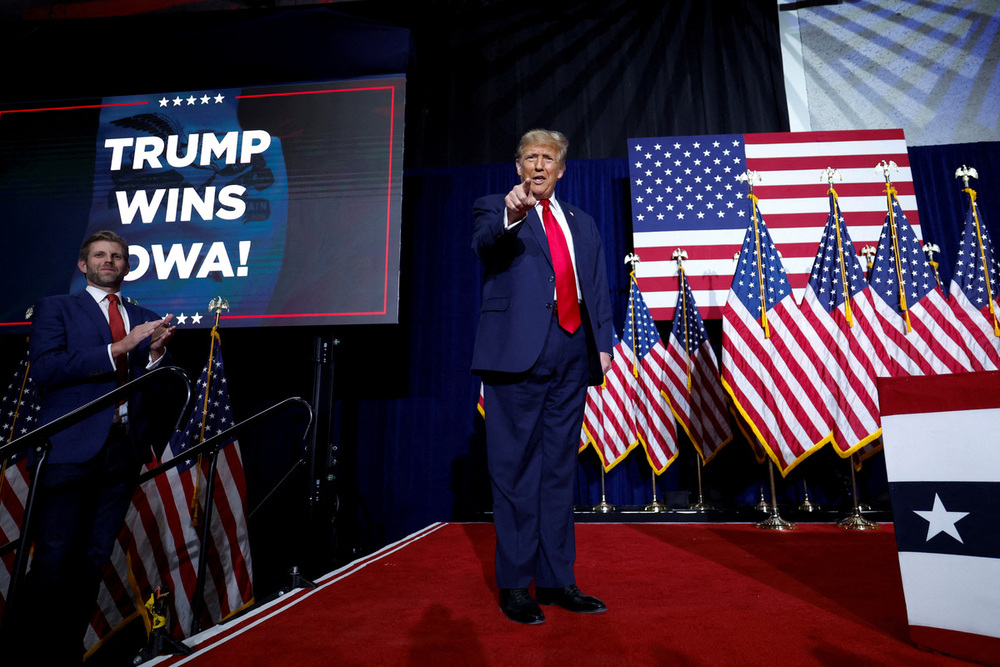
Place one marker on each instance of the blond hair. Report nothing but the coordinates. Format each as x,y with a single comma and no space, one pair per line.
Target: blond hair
542,137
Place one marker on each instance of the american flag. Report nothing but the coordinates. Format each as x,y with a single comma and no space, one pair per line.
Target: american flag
609,417
769,363
160,540
646,361
973,293
838,305
19,417
694,387
922,332
684,195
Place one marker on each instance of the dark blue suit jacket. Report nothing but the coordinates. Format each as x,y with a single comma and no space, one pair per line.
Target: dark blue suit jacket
70,364
520,284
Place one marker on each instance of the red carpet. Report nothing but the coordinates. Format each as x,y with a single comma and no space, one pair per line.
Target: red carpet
678,594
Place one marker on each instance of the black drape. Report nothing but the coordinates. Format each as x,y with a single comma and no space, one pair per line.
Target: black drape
940,200
600,72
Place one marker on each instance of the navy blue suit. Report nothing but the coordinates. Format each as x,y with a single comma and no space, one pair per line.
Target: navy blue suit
85,491
70,364
535,377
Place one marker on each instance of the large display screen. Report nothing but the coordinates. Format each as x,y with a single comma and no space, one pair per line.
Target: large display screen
282,200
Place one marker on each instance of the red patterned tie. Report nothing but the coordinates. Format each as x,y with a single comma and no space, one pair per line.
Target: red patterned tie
117,333
566,296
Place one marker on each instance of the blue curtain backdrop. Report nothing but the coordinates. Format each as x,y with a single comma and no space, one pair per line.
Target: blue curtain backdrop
411,417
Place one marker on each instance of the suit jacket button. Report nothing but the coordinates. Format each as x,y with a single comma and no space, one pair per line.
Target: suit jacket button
552,279
549,306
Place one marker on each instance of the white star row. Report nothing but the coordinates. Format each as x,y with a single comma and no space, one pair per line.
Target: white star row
191,100
195,319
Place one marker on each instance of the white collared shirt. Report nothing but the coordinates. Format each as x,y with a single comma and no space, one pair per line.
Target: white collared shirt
560,217
101,297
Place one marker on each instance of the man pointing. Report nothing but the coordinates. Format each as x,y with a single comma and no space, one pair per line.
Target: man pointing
544,335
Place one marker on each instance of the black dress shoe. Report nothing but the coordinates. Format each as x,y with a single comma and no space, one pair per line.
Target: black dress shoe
570,597
517,605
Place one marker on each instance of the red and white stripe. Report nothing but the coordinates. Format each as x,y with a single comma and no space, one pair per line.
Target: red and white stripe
13,496
776,382
609,418
654,422
854,356
933,343
794,202
701,409
977,329
160,547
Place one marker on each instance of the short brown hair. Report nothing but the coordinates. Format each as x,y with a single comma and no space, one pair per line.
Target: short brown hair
545,138
103,236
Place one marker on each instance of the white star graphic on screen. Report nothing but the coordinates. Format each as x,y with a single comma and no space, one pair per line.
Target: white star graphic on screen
182,319
941,520
196,318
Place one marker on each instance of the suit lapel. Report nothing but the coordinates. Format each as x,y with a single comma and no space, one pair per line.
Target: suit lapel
536,226
134,316
96,315
574,228
534,222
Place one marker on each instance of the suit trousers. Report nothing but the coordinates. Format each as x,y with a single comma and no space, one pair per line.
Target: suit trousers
80,512
533,423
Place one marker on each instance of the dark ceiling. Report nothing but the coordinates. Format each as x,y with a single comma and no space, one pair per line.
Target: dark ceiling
41,10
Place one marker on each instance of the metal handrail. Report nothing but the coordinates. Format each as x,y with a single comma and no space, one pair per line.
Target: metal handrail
223,437
41,436
89,409
212,446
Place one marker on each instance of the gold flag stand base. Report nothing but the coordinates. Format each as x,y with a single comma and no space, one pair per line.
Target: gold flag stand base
857,522
655,506
807,505
774,520
604,507
700,505
762,504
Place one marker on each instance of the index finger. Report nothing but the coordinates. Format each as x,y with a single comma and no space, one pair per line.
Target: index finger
529,197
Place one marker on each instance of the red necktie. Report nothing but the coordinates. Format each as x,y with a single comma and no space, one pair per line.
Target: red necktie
566,296
117,333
